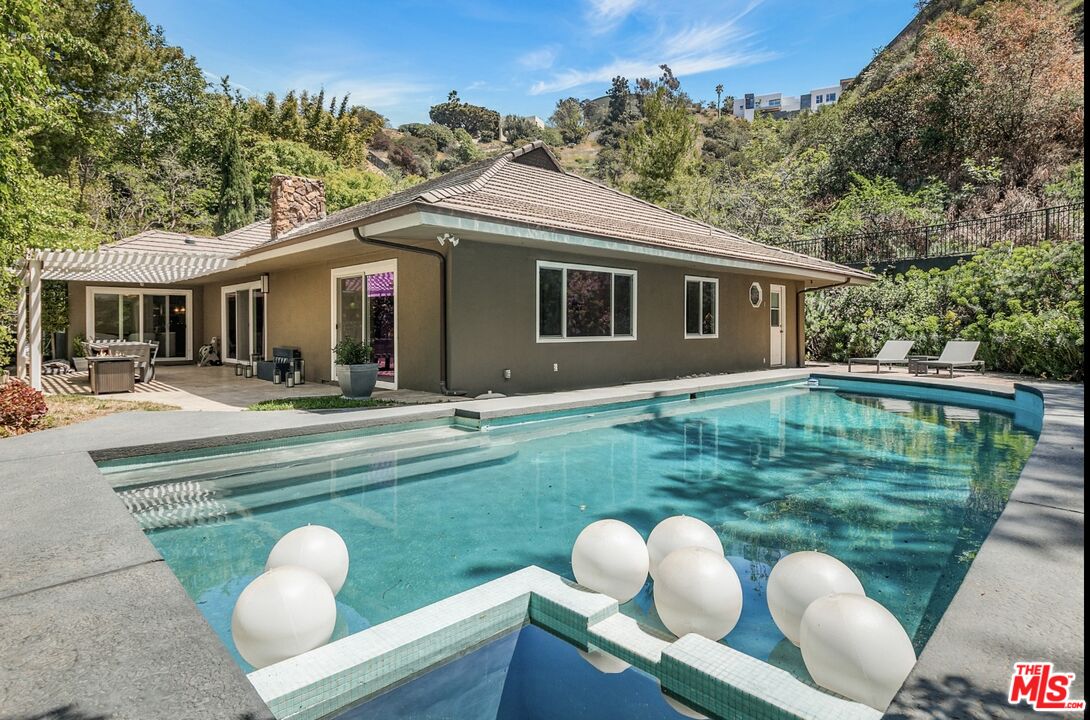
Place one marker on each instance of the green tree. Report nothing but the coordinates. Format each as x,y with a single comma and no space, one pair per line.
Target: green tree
569,120
661,148
478,121
236,200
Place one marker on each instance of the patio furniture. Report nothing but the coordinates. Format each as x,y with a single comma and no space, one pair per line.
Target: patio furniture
893,352
285,360
957,355
142,353
111,373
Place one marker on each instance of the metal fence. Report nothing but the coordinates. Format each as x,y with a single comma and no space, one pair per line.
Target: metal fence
965,237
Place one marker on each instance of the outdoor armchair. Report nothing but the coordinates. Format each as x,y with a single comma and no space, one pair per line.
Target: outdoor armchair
893,352
957,355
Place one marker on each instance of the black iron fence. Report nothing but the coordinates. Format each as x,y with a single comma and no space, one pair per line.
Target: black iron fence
965,237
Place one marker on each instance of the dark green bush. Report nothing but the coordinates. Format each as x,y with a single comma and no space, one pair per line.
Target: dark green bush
1024,305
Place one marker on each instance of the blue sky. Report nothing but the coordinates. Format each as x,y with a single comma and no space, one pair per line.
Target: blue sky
520,57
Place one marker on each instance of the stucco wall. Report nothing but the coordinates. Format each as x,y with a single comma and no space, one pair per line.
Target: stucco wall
299,314
77,310
494,326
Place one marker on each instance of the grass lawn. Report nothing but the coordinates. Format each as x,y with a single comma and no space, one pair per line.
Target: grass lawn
321,402
72,409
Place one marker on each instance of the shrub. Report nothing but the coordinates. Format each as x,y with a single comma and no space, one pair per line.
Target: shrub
349,351
379,141
441,135
1024,305
404,158
22,408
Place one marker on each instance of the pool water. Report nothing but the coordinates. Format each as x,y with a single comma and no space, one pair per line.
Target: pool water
903,491
515,677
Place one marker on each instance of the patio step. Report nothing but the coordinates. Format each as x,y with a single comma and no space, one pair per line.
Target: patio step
215,464
183,503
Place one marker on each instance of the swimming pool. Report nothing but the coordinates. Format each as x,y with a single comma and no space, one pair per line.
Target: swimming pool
902,490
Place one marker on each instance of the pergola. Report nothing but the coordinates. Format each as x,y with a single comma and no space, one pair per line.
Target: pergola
106,265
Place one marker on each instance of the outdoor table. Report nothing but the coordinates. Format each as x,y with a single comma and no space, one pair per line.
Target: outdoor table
111,373
915,363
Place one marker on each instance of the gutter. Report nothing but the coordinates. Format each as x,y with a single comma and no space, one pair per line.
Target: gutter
443,305
801,349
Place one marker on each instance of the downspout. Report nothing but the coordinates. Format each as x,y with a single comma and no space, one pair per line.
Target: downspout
443,306
801,349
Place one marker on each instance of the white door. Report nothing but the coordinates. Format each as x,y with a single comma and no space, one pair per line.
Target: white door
242,322
364,308
776,325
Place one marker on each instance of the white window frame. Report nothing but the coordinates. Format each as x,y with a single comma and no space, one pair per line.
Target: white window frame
685,307
550,265
374,268
226,290
89,328
760,295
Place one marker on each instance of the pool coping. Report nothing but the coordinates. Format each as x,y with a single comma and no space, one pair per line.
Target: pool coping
71,533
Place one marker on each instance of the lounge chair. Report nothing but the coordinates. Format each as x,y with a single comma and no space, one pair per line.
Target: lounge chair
957,355
894,352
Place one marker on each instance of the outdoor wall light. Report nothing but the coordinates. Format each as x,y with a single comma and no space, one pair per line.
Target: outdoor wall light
265,283
447,237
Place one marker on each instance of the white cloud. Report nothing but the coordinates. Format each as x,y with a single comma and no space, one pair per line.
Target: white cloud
377,94
604,15
696,48
540,59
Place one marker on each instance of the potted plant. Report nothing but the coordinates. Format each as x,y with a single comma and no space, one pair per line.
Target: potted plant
356,369
79,353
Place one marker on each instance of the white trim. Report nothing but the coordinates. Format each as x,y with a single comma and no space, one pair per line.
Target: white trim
92,290
374,268
564,267
34,310
782,292
760,294
685,307
469,225
226,290
477,225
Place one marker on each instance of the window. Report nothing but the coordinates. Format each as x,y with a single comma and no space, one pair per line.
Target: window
773,103
582,303
141,315
818,99
756,295
701,307
830,97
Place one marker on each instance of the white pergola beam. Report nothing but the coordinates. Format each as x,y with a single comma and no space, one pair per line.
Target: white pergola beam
21,350
34,268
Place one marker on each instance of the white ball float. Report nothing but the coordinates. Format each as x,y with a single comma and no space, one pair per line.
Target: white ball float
801,578
314,547
603,662
697,591
856,648
287,611
610,557
674,533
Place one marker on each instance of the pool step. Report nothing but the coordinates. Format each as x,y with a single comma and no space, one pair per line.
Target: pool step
177,504
207,466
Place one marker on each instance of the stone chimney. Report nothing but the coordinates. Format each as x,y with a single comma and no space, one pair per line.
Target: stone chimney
294,201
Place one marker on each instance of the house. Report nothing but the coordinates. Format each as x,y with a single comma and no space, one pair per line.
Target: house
781,106
509,274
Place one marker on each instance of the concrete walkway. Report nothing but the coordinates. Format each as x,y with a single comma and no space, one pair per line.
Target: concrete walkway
94,625
189,387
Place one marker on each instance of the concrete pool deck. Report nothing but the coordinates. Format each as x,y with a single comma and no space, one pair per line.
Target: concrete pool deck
93,624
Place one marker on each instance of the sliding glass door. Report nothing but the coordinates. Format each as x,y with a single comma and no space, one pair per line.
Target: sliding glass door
140,315
243,322
364,308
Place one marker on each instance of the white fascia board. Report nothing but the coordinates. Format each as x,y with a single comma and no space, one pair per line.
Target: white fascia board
467,224
460,223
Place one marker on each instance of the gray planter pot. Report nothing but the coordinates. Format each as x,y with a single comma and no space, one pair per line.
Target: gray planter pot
357,381
80,364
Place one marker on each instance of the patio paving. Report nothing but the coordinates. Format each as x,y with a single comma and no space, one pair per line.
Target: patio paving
189,387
